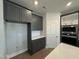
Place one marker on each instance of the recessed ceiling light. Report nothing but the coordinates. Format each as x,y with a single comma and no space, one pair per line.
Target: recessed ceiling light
36,2
68,4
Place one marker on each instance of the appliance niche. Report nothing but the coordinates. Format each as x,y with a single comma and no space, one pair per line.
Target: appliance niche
69,29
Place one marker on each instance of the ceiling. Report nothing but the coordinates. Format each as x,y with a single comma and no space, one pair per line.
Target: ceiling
48,5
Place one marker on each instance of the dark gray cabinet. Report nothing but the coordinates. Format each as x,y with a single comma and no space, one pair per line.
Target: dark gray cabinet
37,22
13,12
17,13
26,15
36,45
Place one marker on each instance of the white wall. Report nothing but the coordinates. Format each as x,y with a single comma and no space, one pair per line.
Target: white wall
44,25
2,33
52,29
16,37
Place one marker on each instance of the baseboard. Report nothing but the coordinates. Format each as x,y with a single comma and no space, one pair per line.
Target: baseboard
16,53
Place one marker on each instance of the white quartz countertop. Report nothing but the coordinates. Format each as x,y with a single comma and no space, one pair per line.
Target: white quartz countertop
37,37
64,51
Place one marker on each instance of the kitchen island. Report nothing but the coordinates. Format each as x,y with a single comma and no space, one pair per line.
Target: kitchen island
64,51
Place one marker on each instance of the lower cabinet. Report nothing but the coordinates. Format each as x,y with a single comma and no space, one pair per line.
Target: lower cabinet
37,45
77,43
68,40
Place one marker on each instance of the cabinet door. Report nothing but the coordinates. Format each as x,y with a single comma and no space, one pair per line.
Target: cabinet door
26,15
21,33
11,38
70,19
12,12
37,22
16,37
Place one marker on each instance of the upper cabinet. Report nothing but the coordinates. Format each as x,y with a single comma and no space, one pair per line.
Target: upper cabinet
12,12
26,15
16,13
37,22
70,19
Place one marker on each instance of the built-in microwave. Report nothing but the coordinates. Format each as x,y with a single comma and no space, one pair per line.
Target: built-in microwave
69,28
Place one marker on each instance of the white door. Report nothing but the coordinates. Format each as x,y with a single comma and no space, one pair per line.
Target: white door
21,32
53,30
16,35
11,38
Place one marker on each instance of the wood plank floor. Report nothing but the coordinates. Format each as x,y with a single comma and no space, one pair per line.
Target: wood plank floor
39,55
